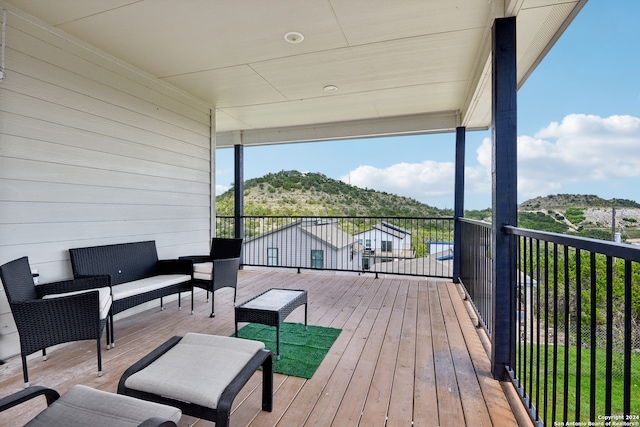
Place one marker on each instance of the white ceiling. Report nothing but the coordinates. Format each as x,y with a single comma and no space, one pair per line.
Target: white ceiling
401,66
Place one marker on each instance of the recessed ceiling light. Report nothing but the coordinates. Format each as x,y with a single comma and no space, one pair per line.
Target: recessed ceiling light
330,88
294,37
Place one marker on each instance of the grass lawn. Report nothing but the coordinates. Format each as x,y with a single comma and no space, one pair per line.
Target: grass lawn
570,376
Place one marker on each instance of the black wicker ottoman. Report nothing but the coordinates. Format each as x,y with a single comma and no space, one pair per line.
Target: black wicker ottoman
200,374
271,308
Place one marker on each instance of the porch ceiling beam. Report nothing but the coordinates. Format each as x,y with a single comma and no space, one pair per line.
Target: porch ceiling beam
378,127
479,90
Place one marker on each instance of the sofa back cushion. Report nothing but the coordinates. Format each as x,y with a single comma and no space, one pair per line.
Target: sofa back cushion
123,262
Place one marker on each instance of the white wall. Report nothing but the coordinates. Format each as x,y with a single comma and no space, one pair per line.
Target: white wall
294,249
376,236
93,152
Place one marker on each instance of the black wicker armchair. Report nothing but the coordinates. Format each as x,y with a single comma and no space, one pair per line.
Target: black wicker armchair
219,269
55,313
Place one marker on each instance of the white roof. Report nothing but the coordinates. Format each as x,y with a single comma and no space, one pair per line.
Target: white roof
330,234
399,66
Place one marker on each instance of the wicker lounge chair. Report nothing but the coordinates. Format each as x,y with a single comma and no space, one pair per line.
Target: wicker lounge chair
219,269
55,313
85,406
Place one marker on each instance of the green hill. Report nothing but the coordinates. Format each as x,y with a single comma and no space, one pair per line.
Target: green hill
293,193
314,194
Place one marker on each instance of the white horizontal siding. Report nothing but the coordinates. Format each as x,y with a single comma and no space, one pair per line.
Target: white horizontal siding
49,127
93,152
62,212
294,250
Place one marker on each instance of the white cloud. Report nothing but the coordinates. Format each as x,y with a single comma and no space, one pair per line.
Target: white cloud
427,179
221,189
477,179
582,149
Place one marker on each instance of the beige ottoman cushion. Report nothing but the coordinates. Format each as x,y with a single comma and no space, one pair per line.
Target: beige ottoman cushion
86,406
197,369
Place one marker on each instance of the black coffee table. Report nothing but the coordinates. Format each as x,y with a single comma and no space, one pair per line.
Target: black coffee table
271,308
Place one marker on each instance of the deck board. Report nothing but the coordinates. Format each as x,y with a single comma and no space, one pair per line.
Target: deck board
401,402
449,402
473,404
355,396
425,376
408,354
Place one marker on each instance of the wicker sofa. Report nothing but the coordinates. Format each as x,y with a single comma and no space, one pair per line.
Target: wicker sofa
136,275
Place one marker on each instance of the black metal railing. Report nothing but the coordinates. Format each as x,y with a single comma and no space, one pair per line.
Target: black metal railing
475,268
577,344
389,245
576,335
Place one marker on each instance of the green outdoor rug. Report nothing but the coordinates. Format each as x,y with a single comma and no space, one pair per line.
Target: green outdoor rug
301,351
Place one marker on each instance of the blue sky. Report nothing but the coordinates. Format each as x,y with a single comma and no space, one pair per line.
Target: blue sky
578,129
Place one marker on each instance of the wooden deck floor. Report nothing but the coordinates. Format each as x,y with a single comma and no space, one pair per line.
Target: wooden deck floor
408,355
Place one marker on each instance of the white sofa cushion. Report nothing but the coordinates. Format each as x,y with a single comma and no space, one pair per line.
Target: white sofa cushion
197,369
137,287
203,270
104,295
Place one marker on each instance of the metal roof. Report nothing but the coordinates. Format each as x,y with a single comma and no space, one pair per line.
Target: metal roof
398,67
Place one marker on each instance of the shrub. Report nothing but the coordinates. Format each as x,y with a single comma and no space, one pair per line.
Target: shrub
575,215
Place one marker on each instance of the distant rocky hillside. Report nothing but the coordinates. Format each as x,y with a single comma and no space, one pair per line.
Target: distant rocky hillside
297,193
563,201
586,215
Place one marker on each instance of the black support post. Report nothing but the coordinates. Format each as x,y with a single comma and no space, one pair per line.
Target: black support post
238,185
458,203
504,194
